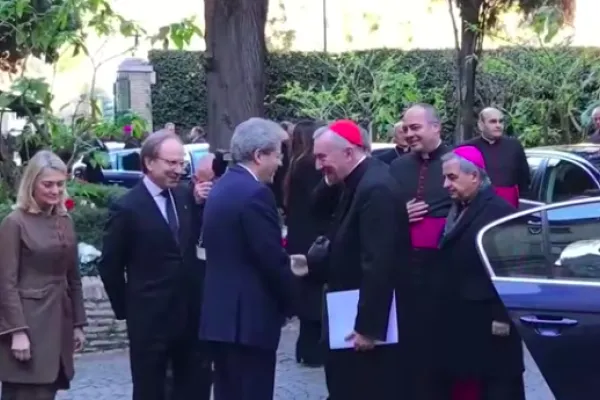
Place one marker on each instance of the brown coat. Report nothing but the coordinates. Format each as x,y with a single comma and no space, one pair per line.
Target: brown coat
40,292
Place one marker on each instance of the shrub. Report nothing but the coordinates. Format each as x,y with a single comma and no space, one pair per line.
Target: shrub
543,91
98,195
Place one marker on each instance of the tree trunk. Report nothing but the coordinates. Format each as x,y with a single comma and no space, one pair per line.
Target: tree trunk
235,61
470,13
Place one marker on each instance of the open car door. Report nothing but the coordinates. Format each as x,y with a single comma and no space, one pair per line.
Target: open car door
545,265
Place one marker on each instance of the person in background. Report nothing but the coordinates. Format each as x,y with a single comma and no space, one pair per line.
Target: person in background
366,139
197,135
41,301
504,156
419,174
288,127
479,347
277,185
149,270
248,287
401,147
170,128
302,230
595,135
369,243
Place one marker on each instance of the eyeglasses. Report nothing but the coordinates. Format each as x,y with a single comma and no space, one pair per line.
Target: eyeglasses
173,163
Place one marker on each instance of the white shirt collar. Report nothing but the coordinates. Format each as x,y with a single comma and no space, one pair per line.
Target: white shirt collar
152,187
249,171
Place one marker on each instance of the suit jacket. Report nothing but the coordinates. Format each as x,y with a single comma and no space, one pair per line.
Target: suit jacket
369,244
468,302
248,286
148,274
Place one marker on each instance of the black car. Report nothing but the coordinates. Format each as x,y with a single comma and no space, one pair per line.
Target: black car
564,172
127,174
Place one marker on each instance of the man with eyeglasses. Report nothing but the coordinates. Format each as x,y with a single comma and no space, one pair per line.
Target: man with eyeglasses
504,156
149,270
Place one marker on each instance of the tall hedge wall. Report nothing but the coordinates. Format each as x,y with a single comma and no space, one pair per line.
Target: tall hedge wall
180,91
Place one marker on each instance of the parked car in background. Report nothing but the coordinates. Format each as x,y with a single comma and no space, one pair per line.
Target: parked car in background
127,174
545,265
379,147
563,172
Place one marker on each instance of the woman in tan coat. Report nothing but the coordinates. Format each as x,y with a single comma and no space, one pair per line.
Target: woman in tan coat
41,302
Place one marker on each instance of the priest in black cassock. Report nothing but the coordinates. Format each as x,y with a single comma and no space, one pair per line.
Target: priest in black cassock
427,202
365,248
504,157
401,146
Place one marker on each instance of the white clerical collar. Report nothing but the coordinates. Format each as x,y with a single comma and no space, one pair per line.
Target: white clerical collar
427,156
363,158
249,171
490,141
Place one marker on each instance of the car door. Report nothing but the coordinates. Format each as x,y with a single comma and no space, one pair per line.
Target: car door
552,291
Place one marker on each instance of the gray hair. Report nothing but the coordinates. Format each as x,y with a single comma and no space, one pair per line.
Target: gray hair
255,134
596,111
152,144
467,167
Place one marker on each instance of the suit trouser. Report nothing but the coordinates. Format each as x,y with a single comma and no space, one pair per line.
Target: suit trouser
243,372
190,364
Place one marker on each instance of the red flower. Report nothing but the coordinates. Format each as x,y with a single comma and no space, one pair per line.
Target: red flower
69,204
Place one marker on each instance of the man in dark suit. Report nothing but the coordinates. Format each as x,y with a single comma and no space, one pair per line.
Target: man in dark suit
248,287
369,246
150,274
479,350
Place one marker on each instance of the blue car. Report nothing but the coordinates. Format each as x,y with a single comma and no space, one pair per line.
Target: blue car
545,265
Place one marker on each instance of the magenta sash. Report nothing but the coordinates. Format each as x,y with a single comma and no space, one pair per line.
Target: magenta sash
509,193
426,234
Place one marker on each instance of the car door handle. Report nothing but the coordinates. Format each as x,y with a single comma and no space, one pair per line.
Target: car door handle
548,326
534,227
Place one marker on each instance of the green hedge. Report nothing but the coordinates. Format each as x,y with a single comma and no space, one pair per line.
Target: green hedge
179,94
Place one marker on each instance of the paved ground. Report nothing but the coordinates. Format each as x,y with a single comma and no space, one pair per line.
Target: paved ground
106,377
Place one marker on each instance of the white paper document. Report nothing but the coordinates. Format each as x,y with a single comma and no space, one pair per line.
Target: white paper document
341,313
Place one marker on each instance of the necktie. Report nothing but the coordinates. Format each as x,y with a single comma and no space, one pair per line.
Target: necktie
170,210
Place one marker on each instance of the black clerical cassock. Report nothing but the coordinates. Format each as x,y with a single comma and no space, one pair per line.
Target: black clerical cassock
420,177
506,165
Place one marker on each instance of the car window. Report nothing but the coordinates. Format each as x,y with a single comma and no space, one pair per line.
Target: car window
565,180
130,161
516,249
557,243
113,161
534,164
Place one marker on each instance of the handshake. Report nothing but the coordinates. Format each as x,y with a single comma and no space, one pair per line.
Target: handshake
299,265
